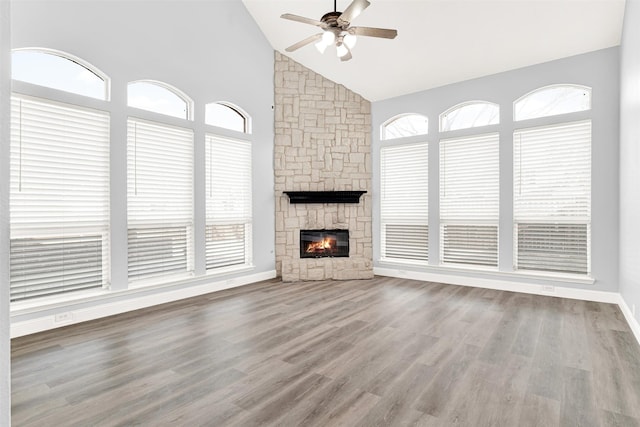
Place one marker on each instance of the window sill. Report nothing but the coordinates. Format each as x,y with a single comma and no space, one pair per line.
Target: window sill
47,303
161,281
231,269
557,277
404,262
490,271
38,304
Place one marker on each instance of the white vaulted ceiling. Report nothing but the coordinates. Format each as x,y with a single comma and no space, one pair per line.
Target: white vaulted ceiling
443,41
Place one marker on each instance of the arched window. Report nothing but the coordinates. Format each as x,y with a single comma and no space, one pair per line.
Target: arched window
470,115
551,101
228,116
405,125
160,98
59,70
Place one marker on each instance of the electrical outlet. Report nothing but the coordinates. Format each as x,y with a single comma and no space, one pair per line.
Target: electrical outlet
63,317
548,288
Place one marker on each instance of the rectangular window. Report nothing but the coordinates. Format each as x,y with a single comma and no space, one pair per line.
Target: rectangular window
59,198
469,200
404,202
228,202
159,200
552,198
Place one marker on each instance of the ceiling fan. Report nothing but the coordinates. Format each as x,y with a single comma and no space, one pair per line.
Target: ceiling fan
337,29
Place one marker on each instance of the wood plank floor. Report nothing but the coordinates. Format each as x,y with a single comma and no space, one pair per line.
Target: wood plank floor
380,352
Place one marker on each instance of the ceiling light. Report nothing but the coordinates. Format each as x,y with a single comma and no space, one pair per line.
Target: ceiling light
350,40
342,50
321,46
328,37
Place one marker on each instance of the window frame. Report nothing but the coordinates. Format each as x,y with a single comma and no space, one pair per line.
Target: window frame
484,138
383,126
210,139
136,224
235,108
588,89
190,106
403,222
76,60
557,221
61,229
464,104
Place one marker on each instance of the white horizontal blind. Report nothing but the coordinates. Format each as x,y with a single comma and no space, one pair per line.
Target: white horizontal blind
159,200
469,199
404,202
552,198
228,202
59,200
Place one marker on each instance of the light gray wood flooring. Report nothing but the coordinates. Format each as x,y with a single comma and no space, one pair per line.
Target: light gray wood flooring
380,352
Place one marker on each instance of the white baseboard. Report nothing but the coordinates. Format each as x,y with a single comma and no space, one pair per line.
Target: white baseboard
527,288
98,311
502,285
631,320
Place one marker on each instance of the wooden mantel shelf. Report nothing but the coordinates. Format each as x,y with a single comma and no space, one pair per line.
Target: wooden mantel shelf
324,196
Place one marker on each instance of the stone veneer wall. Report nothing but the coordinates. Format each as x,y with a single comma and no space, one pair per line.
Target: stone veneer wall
322,143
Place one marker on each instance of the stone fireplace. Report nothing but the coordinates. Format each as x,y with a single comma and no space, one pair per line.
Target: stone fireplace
322,144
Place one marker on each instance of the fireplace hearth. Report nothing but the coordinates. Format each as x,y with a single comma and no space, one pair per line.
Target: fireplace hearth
324,243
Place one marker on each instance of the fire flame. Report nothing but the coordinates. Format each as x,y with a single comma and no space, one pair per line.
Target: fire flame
321,246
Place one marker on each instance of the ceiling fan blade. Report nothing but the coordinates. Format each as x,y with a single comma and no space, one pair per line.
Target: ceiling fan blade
352,11
384,33
304,20
304,42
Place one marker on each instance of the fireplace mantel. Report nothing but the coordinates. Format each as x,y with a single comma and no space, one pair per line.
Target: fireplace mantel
324,196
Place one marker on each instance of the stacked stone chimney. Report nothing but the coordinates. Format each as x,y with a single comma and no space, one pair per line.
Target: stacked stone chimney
322,143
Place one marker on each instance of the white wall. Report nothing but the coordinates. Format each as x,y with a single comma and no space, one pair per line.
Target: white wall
5,88
599,70
630,157
212,51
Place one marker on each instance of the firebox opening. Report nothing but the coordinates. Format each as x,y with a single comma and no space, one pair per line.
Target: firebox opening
324,243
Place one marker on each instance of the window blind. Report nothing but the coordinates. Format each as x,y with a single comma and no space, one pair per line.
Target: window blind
159,200
228,202
59,198
404,202
469,199
552,198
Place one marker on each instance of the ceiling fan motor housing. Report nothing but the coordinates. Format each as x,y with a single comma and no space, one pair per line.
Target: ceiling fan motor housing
331,19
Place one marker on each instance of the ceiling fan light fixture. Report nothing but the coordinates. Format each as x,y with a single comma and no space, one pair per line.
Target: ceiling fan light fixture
337,30
341,50
321,46
350,40
328,38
